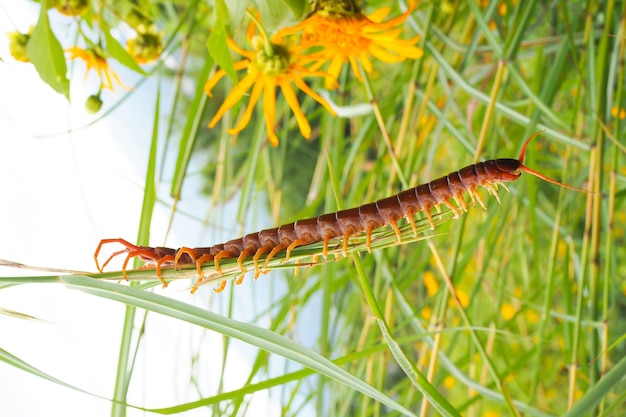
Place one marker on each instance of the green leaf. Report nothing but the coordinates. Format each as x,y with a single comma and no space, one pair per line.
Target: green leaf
117,51
218,48
45,52
298,7
600,390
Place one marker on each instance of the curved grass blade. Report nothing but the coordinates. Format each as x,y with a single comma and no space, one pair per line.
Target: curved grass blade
256,336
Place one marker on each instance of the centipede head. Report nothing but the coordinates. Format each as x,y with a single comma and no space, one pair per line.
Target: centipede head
524,168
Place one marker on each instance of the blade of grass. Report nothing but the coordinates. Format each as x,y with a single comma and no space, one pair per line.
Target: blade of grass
248,333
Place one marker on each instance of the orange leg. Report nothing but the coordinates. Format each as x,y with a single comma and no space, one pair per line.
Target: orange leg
451,207
185,251
430,218
273,252
142,252
460,201
160,262
368,238
410,217
242,256
396,229
346,242
263,249
220,255
239,280
325,248
220,288
207,257
129,247
294,244
492,190
474,193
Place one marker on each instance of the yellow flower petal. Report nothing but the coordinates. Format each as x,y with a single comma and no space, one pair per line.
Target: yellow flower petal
269,109
245,119
292,100
237,92
219,74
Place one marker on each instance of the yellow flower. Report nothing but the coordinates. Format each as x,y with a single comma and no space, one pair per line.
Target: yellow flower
17,45
71,7
507,311
268,66
146,47
94,60
430,283
618,112
344,34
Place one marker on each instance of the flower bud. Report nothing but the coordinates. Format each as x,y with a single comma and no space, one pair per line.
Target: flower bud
93,104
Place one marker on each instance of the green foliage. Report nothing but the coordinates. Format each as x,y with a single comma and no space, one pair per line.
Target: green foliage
517,310
46,54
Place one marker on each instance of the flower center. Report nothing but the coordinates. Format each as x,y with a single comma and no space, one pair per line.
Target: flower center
274,61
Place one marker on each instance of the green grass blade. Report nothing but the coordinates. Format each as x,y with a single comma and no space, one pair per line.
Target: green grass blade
254,335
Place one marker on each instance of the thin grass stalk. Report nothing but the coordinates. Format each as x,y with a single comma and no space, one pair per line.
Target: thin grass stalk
369,92
601,67
124,365
495,92
190,131
548,298
476,341
419,380
580,305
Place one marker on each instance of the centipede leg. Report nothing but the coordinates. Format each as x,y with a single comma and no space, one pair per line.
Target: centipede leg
476,197
220,288
346,242
294,244
160,262
242,256
396,229
128,247
430,218
452,208
185,251
207,257
492,190
239,279
272,253
325,248
368,238
411,219
460,201
146,253
220,255
255,260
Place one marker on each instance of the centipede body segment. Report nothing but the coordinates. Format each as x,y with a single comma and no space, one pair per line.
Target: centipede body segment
342,224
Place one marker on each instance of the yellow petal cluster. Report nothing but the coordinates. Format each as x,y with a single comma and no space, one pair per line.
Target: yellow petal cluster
335,33
95,61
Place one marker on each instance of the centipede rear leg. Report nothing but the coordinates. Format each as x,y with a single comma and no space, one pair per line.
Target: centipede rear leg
145,253
128,247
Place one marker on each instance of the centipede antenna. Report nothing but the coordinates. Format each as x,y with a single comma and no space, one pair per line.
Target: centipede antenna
524,168
522,154
543,177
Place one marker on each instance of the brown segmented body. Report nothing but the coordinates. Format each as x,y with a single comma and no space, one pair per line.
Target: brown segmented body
342,224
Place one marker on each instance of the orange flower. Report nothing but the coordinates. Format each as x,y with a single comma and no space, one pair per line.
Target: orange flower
345,34
268,66
96,61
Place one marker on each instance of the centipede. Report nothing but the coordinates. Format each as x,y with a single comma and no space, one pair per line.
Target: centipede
340,225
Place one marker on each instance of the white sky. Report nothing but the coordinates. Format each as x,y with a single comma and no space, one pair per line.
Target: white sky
60,195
